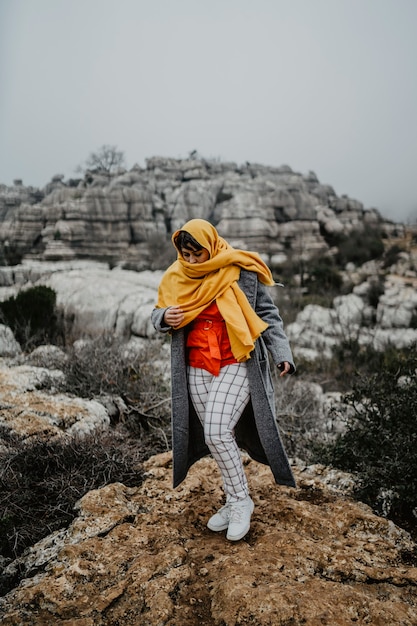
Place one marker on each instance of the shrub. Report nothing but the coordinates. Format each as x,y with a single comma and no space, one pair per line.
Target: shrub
323,277
32,316
360,246
104,366
41,482
297,407
376,290
338,372
413,321
10,254
380,443
391,256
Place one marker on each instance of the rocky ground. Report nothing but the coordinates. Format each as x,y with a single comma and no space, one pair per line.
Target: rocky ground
144,556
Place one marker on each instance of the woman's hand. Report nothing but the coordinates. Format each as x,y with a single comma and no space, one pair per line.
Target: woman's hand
173,316
284,368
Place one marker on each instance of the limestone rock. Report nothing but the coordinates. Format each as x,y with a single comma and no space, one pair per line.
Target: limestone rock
380,339
349,310
48,356
28,411
317,330
8,344
31,271
397,305
145,556
92,298
119,217
97,300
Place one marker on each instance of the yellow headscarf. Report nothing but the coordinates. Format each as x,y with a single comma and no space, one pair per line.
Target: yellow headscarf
194,286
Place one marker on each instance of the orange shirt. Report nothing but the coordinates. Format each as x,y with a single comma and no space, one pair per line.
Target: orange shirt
208,345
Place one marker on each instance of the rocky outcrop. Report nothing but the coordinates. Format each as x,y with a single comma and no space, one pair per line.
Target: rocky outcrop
145,556
100,300
130,215
92,298
32,409
317,330
391,321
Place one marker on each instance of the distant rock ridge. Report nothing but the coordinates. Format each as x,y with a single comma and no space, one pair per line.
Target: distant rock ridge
126,216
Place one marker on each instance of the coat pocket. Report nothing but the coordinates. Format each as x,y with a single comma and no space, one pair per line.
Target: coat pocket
263,363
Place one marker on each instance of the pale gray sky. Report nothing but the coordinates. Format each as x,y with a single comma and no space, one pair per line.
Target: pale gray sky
322,85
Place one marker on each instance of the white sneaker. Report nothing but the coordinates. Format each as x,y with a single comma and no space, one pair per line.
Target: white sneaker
220,520
239,522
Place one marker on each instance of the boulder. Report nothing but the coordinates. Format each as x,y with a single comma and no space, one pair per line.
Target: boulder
28,411
8,344
97,300
349,310
397,305
381,339
47,356
317,330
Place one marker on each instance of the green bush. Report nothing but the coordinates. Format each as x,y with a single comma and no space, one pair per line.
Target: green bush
376,290
380,442
357,247
32,316
323,277
392,255
41,482
10,254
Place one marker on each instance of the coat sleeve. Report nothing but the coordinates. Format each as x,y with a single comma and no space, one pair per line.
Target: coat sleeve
157,317
274,336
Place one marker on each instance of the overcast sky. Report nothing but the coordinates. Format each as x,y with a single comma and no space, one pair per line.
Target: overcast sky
322,85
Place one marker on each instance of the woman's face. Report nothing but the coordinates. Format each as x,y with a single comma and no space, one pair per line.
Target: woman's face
195,256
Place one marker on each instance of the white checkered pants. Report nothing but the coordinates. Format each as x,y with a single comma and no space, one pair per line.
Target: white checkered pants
219,402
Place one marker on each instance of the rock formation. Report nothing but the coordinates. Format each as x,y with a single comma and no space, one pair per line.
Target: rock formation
125,217
30,412
317,330
145,556
94,299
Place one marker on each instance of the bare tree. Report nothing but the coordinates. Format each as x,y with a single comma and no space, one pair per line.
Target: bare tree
107,159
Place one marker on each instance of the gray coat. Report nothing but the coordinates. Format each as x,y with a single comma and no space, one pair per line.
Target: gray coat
256,431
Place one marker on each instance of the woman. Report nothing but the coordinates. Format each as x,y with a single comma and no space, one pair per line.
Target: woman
215,303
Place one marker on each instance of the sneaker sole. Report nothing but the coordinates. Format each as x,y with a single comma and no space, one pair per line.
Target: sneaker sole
218,529
239,536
